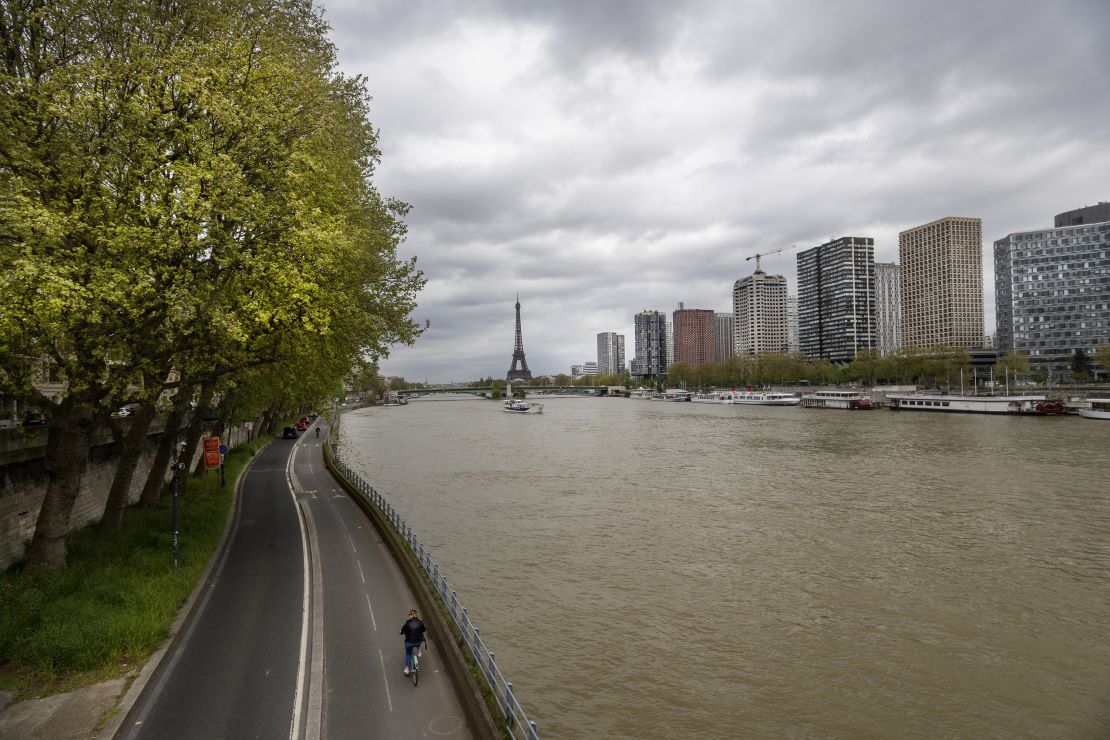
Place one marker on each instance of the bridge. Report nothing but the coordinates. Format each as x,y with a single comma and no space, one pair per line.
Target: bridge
486,391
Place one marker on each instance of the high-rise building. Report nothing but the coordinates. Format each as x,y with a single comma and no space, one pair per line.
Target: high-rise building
1052,293
888,307
759,314
836,298
576,371
589,368
942,283
1086,215
723,347
670,346
792,344
610,353
650,329
693,334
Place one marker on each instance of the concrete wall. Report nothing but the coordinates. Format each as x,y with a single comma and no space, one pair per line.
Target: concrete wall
23,481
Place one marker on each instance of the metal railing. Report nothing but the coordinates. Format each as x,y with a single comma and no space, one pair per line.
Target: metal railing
516,721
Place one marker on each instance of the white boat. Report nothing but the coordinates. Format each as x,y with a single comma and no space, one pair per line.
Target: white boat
1100,409
836,400
718,397
764,398
641,394
1037,405
677,394
516,406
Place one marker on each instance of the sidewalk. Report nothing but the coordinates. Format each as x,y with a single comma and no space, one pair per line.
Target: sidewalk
72,716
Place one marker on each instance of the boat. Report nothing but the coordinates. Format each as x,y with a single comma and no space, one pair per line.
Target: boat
764,398
517,406
1100,409
1033,405
677,394
836,400
719,397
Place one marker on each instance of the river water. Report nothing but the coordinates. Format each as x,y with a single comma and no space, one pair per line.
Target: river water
646,569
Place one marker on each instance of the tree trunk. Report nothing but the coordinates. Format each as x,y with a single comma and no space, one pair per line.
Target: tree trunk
156,478
130,450
67,456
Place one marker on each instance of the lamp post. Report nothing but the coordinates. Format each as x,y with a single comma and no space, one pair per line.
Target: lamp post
177,468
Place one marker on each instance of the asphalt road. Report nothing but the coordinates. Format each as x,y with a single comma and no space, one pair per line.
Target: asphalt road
298,631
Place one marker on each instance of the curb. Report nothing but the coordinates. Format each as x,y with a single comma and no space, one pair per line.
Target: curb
185,616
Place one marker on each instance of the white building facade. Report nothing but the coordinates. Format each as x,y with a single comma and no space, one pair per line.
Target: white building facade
888,307
610,353
759,314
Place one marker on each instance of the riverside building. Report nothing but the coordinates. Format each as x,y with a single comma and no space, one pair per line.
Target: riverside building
610,353
722,338
888,308
759,313
1052,293
942,283
836,299
694,329
650,330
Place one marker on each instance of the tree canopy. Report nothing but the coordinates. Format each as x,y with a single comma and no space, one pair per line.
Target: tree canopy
186,187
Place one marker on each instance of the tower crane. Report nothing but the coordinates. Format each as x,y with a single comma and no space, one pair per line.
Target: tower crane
757,255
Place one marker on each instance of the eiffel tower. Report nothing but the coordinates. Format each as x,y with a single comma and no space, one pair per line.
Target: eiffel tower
523,373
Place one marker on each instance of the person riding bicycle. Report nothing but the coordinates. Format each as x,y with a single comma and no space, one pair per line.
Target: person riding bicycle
413,630
317,431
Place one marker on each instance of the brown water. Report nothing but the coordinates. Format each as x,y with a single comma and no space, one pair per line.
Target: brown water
656,570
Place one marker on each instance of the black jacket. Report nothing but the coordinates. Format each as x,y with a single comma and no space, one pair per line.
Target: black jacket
413,630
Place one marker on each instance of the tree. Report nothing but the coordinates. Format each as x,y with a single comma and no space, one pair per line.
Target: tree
186,185
1081,365
1011,366
1102,357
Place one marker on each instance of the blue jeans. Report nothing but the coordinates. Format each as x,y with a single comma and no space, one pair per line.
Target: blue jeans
409,647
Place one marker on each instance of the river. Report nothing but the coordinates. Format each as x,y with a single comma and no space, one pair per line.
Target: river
646,569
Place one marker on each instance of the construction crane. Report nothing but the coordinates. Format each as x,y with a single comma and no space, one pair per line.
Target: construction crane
757,255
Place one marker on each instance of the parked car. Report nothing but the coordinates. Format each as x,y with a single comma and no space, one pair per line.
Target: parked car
289,433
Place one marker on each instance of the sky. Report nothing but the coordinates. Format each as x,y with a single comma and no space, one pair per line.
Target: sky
599,158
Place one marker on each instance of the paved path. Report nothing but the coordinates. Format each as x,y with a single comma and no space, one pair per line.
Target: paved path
297,631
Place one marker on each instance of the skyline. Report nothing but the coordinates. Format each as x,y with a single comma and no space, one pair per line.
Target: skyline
605,159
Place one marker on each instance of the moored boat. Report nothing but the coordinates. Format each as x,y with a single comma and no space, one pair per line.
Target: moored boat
1033,405
764,398
517,406
711,397
1100,409
853,400
677,394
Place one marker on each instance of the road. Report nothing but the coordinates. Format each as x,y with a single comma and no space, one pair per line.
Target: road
297,633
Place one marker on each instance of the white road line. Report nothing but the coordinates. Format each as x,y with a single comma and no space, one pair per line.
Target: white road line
385,679
360,573
314,723
351,540
298,700
372,620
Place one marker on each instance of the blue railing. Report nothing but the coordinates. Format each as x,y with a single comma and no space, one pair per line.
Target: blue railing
516,721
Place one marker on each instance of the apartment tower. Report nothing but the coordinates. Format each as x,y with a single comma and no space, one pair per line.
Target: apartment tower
610,353
722,338
1052,292
888,307
694,329
759,314
942,283
650,329
836,299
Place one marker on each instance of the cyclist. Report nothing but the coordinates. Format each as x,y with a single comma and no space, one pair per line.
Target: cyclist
413,630
317,431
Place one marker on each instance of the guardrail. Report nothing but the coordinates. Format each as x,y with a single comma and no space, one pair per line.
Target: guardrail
517,723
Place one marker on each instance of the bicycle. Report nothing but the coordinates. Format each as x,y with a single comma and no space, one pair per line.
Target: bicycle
415,660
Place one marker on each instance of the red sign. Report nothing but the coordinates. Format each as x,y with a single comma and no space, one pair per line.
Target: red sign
211,453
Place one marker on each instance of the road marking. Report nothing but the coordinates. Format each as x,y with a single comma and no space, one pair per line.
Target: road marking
314,723
385,679
360,573
351,540
298,699
372,620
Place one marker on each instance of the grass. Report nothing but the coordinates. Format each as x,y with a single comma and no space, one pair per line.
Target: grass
113,606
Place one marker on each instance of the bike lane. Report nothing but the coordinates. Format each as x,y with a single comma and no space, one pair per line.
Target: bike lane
365,600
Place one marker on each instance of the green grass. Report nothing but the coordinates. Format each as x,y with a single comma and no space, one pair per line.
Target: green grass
113,605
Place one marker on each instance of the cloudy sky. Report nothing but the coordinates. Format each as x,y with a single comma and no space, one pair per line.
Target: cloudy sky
601,158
